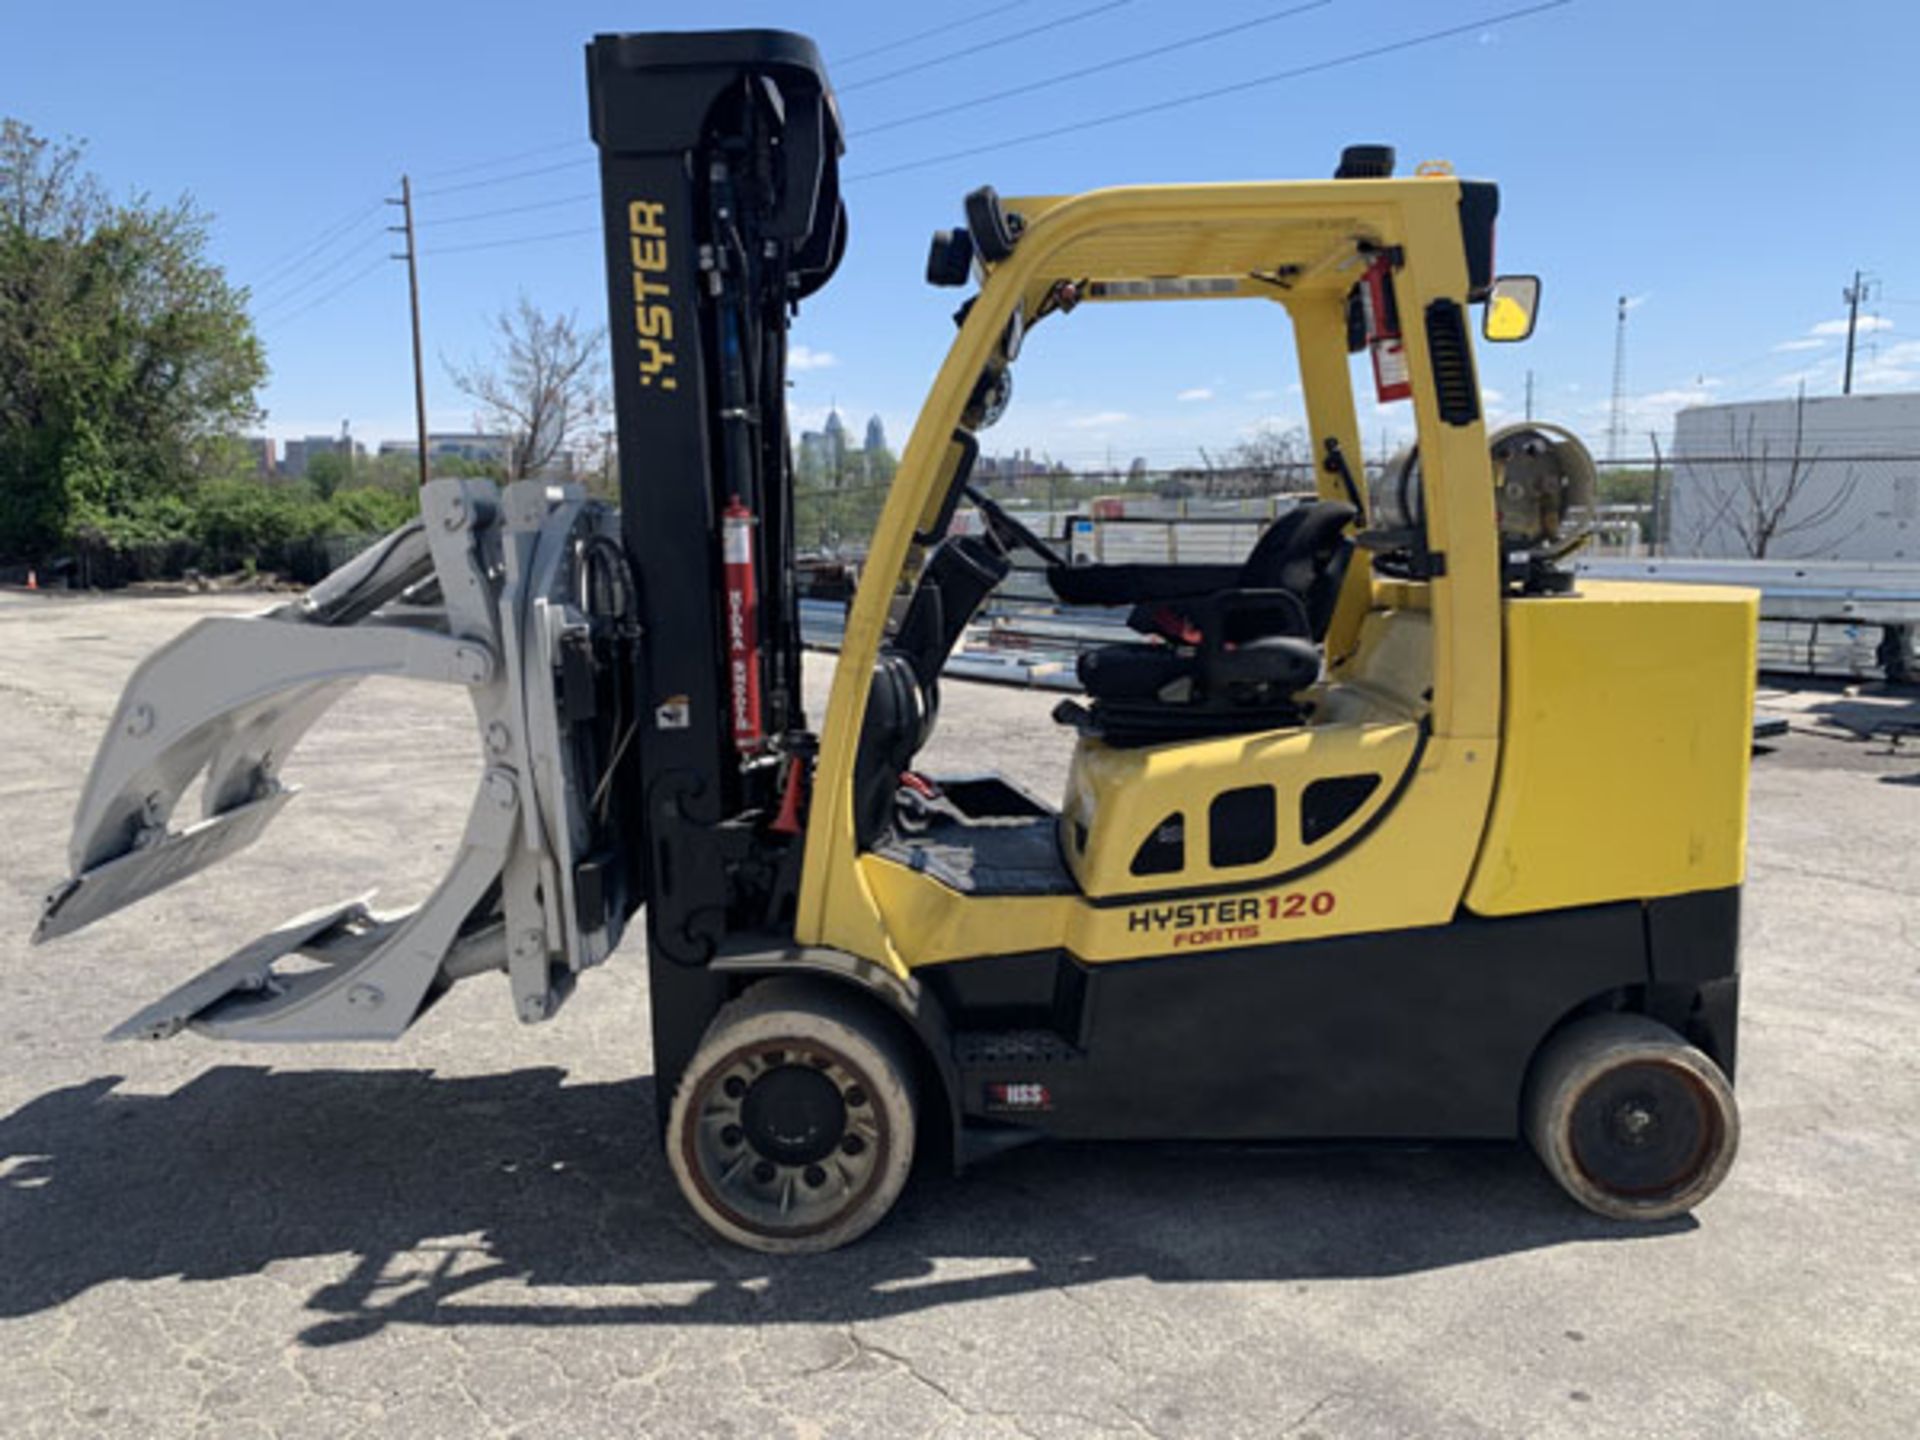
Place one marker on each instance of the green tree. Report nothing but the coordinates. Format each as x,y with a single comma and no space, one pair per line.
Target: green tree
126,358
327,472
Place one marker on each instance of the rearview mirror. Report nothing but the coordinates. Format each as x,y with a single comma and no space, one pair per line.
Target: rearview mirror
1513,304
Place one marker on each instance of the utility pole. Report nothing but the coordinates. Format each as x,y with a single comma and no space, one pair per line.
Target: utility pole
405,202
1529,397
1853,295
1616,421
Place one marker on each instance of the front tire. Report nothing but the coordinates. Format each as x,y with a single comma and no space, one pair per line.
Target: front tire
792,1129
1635,1123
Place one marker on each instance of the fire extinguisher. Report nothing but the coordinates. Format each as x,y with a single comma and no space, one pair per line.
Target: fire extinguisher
1391,380
743,627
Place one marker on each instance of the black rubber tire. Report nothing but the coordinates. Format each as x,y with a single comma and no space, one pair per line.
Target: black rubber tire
799,1015
1599,1077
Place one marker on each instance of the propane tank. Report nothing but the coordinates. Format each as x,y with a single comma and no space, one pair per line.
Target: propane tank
743,627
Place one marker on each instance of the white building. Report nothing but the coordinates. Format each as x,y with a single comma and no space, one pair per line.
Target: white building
1827,478
484,448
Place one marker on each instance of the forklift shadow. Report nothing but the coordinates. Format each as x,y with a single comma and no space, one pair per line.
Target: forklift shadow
486,1200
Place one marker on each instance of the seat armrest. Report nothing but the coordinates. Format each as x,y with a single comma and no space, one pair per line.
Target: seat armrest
1286,663
1233,617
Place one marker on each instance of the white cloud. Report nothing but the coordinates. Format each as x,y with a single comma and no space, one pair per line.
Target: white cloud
1907,352
1865,324
1634,302
1492,397
1652,411
1098,420
1198,392
1810,343
1795,379
805,357
1895,367
1674,399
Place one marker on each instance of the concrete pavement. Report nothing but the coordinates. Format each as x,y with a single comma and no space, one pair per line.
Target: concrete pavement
472,1232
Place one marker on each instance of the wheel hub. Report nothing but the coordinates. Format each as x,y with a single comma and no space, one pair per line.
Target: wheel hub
793,1115
789,1138
1643,1129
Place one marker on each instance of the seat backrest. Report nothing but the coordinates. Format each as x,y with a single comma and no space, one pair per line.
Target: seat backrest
898,719
1305,551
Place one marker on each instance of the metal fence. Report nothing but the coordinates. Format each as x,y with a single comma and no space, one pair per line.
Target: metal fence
1788,508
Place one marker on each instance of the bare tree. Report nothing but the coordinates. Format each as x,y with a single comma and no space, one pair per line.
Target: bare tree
1765,497
544,388
1269,460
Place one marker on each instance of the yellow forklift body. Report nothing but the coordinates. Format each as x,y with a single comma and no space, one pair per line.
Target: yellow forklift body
1407,873
1143,243
1624,769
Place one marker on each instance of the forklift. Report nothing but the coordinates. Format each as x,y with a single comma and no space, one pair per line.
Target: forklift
1388,832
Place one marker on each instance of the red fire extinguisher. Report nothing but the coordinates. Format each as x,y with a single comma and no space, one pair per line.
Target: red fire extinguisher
1391,380
743,627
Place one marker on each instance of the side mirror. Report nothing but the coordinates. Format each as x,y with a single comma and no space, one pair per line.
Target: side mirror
1513,304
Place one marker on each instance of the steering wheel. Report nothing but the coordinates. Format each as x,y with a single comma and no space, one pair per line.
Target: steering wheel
1009,531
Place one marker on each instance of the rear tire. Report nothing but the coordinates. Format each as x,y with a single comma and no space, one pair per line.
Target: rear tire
1635,1123
792,1129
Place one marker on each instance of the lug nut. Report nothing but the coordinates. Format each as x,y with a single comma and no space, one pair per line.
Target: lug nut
815,1177
855,1096
734,1087
731,1137
852,1145
764,1172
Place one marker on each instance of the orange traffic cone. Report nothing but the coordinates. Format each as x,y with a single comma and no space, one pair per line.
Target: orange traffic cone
33,580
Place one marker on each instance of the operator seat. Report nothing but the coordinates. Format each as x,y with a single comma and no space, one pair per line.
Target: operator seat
1231,647
903,701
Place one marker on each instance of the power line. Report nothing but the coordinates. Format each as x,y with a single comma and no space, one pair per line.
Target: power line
1195,97
1086,70
514,240
469,167
1032,137
517,156
985,45
511,209
291,260
892,45
354,279
510,177
378,237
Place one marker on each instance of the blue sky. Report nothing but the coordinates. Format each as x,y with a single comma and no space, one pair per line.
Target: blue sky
1726,165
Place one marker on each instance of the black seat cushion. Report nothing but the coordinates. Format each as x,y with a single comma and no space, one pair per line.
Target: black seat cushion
1136,584
1274,665
1233,651
1138,670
